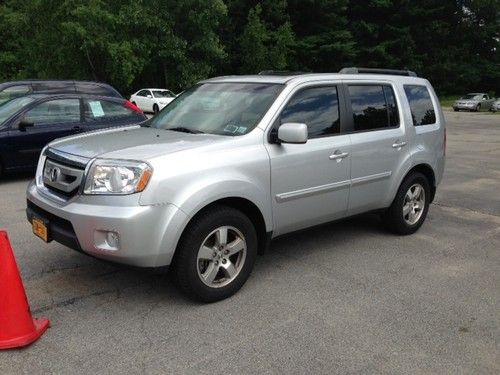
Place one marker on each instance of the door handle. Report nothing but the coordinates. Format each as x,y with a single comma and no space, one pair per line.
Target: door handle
398,144
339,155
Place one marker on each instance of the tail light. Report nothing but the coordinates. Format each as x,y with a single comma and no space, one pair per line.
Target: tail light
132,106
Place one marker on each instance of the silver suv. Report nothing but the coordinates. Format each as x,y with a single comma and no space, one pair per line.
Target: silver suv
236,161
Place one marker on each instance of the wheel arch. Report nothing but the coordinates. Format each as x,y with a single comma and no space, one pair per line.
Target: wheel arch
428,172
249,208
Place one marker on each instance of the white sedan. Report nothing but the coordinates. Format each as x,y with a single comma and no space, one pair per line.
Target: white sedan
152,100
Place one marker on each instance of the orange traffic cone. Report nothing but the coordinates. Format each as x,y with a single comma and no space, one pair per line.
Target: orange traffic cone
17,327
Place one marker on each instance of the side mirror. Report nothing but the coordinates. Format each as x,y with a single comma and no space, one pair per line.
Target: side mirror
25,124
484,98
292,132
149,96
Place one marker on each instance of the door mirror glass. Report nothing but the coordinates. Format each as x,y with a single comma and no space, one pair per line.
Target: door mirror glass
148,96
292,132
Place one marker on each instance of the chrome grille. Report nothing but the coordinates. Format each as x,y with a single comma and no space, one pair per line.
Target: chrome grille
63,173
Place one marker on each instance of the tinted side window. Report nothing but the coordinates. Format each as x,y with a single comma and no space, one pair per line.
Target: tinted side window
13,92
103,110
373,107
316,107
422,110
91,88
55,112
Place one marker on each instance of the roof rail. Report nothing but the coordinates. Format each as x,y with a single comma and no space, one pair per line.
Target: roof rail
393,72
279,73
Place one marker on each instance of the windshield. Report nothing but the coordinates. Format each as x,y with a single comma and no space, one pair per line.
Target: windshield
218,108
472,96
162,94
9,108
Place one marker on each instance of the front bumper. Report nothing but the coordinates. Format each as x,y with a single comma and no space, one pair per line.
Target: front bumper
148,235
464,106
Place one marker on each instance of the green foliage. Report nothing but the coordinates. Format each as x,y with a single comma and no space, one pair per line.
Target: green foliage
136,43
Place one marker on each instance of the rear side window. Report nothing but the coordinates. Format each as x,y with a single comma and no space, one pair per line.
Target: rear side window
422,110
373,107
103,110
54,87
316,107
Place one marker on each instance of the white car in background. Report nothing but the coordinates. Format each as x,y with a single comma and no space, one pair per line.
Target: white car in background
152,100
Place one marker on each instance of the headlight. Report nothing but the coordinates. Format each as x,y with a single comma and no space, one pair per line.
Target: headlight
117,177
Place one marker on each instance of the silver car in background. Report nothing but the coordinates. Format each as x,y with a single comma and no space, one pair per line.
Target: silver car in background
236,161
475,101
495,107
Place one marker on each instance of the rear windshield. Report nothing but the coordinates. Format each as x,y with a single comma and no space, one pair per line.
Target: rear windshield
472,96
422,110
218,108
163,94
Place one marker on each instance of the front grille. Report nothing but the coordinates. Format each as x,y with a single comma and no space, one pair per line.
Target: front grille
63,173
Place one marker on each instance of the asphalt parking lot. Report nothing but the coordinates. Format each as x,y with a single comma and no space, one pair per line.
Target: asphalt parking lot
346,297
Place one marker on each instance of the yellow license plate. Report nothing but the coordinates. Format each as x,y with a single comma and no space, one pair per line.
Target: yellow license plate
40,229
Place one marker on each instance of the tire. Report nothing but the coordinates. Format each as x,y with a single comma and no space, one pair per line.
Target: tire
201,269
478,108
156,109
404,223
455,109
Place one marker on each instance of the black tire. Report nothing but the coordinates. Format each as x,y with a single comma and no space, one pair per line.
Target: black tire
185,266
155,108
455,109
394,217
478,108
134,103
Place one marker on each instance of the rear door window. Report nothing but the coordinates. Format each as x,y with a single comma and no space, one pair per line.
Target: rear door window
373,107
318,108
422,109
54,112
102,110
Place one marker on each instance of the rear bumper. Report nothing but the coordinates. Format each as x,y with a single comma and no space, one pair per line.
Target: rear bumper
147,235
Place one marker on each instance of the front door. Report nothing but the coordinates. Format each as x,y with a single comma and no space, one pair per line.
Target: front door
310,182
51,119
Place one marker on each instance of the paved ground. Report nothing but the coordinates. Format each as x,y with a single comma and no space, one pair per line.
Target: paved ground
343,298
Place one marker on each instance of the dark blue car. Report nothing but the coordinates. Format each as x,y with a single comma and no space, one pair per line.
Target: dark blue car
29,122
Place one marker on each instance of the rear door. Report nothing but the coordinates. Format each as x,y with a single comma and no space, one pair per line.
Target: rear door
102,113
379,143
51,119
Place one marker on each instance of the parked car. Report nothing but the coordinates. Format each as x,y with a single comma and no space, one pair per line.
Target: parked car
495,106
152,100
475,101
236,161
29,122
14,89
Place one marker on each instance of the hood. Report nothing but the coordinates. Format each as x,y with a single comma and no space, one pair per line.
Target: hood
132,143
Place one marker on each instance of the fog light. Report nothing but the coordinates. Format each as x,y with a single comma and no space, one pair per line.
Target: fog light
106,240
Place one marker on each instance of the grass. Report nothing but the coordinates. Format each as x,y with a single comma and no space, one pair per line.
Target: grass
447,101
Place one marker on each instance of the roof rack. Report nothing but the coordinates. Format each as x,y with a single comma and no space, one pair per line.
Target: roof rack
393,72
279,73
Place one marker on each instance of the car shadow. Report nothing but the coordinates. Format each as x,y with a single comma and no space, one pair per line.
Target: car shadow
157,284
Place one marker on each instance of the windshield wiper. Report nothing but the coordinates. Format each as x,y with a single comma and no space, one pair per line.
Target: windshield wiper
185,130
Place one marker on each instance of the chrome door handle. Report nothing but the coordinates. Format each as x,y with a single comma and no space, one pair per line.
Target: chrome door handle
399,144
339,156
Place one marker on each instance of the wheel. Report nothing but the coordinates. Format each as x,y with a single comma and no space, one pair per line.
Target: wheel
409,209
478,107
455,109
155,108
134,103
215,255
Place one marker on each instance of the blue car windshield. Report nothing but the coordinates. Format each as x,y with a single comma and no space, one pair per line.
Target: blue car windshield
218,108
11,107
